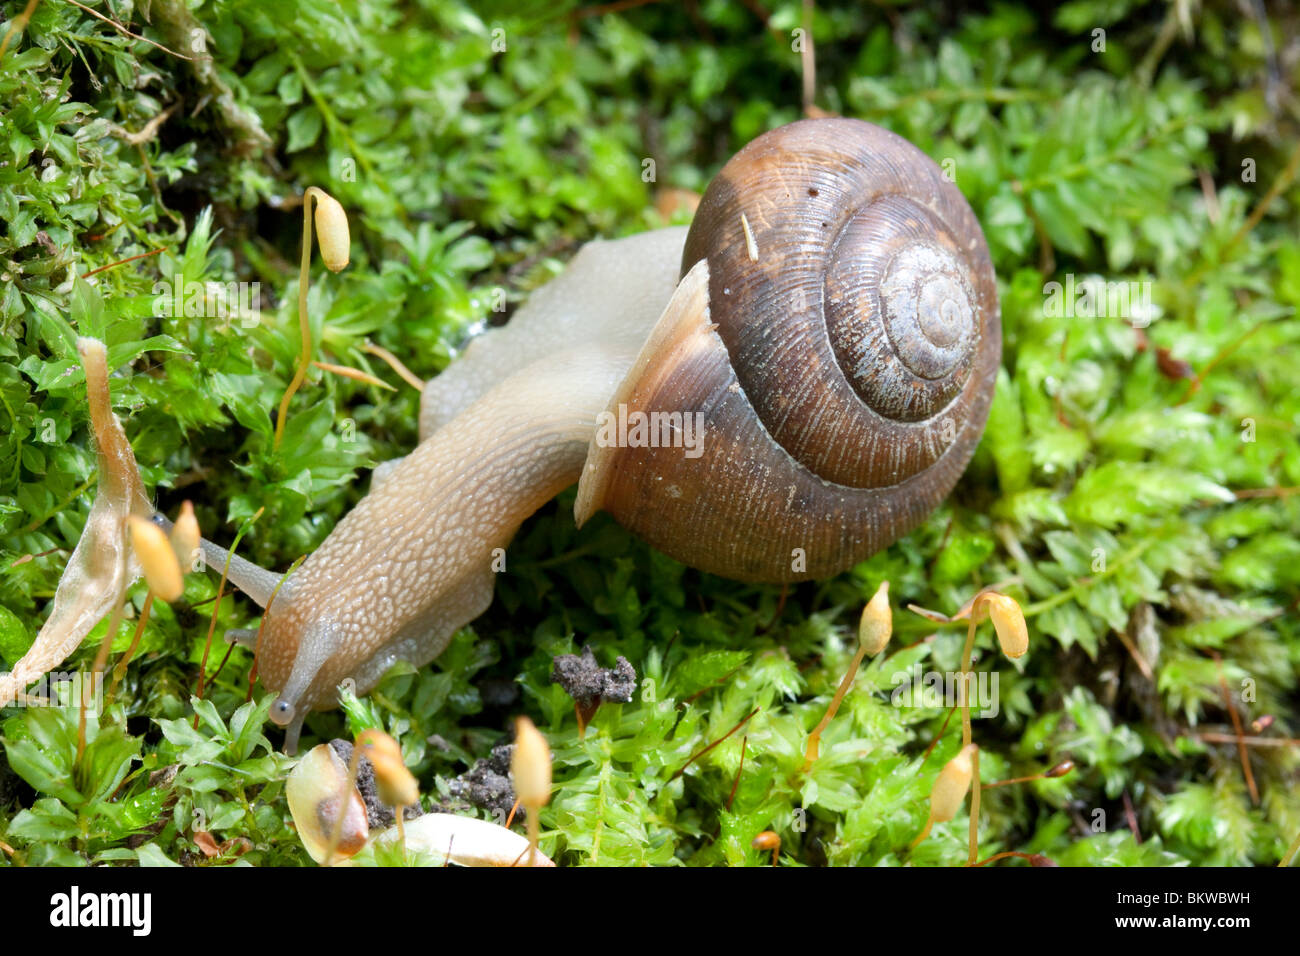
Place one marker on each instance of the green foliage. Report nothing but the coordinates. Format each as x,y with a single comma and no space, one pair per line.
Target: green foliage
1132,489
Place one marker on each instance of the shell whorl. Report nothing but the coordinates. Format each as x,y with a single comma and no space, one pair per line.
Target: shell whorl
850,283
836,335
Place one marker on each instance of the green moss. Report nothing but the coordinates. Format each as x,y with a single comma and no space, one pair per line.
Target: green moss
1112,493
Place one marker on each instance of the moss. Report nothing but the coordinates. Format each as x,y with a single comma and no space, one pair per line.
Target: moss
1132,489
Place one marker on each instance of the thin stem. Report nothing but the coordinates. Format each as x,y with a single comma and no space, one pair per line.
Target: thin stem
120,670
401,830
216,606
935,742
1290,853
1077,588
114,620
534,834
125,32
1237,729
18,24
304,358
925,832
143,255
344,793
974,807
964,697
396,365
808,60
1217,738
963,691
814,739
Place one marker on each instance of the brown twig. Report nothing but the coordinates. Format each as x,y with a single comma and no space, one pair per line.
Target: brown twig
17,24
120,670
353,373
744,742
124,31
701,752
143,255
404,373
1244,493
220,667
1211,195
1213,737
1237,729
148,131
937,737
708,687
1133,651
32,557
1131,816
1198,379
1279,184
808,60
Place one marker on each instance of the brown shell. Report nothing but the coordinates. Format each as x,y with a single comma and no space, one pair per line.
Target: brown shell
843,363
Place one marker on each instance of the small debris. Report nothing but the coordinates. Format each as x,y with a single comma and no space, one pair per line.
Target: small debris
487,784
378,814
163,776
751,246
1171,367
203,840
589,684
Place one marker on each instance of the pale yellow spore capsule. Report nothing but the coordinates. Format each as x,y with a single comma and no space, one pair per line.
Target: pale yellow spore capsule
396,785
951,785
332,232
154,552
877,623
1009,622
531,765
185,536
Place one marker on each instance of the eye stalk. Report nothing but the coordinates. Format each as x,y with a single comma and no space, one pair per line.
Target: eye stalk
282,712
798,380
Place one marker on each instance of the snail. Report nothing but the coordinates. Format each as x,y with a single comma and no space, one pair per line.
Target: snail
772,395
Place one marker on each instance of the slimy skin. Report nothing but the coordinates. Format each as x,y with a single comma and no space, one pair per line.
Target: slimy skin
834,341
828,326
503,430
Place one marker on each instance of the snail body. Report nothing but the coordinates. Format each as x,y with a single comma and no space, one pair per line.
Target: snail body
830,320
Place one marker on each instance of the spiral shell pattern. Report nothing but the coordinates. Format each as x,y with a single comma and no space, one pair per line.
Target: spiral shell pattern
842,359
855,332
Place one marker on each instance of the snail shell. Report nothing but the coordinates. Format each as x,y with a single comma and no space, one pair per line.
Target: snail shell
837,331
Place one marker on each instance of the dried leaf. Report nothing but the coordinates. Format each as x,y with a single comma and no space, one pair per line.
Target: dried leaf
102,565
